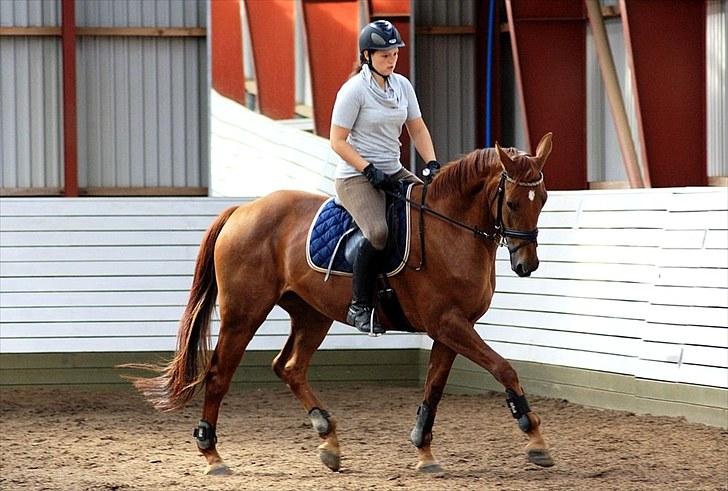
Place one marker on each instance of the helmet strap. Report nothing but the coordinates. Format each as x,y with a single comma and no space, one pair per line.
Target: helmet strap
371,67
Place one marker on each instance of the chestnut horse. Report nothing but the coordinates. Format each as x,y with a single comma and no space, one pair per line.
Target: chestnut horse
253,258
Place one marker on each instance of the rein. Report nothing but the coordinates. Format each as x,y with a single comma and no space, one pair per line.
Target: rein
500,231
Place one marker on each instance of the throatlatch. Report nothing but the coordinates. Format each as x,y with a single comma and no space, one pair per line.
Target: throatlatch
205,435
423,425
320,421
519,409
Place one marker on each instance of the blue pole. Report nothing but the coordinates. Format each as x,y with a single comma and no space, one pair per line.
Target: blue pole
489,76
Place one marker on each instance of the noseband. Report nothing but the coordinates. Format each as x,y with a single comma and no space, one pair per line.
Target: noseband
500,229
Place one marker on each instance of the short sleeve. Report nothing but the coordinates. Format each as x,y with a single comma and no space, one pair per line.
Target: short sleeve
413,106
346,106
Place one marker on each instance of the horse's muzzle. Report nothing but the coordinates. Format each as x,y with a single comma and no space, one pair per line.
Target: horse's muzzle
524,266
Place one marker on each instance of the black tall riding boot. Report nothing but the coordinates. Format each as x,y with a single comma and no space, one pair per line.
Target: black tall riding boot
362,303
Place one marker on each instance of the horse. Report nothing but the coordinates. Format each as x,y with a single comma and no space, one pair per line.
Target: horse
252,257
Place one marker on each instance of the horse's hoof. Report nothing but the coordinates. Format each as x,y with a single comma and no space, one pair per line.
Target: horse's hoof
540,457
429,468
330,459
218,469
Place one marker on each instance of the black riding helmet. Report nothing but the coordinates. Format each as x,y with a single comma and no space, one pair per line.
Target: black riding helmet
378,35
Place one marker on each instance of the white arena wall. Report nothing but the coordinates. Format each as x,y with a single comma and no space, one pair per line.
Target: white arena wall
633,286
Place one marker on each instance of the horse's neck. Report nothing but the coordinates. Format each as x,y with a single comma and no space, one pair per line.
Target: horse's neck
473,211
473,207
458,260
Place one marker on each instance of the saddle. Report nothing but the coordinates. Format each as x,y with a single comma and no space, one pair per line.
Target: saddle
332,243
334,238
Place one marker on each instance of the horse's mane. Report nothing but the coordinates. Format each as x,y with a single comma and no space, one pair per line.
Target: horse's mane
454,176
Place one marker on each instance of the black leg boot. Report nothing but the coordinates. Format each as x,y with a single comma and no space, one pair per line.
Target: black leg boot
362,303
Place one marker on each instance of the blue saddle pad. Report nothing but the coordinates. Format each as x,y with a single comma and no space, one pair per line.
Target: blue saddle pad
333,225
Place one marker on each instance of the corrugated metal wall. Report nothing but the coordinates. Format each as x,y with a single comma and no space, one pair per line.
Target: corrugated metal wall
445,75
141,13
140,112
142,101
717,54
31,153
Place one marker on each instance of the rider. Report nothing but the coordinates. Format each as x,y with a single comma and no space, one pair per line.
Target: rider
366,123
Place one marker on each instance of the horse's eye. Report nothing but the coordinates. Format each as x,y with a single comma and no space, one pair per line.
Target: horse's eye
513,206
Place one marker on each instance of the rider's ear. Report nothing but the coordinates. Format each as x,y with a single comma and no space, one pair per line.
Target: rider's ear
543,150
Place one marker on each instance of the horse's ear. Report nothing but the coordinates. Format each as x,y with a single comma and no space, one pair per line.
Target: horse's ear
506,160
543,150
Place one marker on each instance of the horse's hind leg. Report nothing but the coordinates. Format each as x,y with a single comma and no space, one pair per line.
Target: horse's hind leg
308,330
238,323
438,369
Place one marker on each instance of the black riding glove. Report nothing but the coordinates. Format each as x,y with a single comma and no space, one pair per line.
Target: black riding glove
431,170
380,180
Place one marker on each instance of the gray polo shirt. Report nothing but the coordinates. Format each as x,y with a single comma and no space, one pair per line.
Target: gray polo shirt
374,118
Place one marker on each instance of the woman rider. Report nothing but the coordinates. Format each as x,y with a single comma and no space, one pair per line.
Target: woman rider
366,123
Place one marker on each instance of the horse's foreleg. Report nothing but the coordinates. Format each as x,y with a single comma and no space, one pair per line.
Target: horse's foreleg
308,330
236,331
463,339
438,369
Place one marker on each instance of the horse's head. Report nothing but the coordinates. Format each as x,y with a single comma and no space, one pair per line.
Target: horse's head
521,196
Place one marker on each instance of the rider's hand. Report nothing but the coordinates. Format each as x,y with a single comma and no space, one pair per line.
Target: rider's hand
379,179
392,185
431,170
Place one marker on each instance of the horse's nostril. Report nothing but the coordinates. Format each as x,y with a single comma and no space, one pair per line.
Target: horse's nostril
522,270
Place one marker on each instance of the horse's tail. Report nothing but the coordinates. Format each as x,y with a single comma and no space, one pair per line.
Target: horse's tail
179,380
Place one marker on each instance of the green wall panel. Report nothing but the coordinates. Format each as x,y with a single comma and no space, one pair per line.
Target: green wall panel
394,367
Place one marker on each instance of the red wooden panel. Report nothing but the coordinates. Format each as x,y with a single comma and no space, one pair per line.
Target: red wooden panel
332,29
227,49
272,25
389,8
525,10
70,128
549,45
667,47
398,13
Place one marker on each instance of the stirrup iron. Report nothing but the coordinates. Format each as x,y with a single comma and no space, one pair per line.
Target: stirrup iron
371,332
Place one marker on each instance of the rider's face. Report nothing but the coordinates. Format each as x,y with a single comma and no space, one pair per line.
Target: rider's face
384,61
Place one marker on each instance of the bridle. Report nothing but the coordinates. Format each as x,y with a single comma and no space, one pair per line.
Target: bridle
500,232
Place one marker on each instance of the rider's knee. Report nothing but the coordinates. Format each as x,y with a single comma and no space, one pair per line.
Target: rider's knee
378,236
